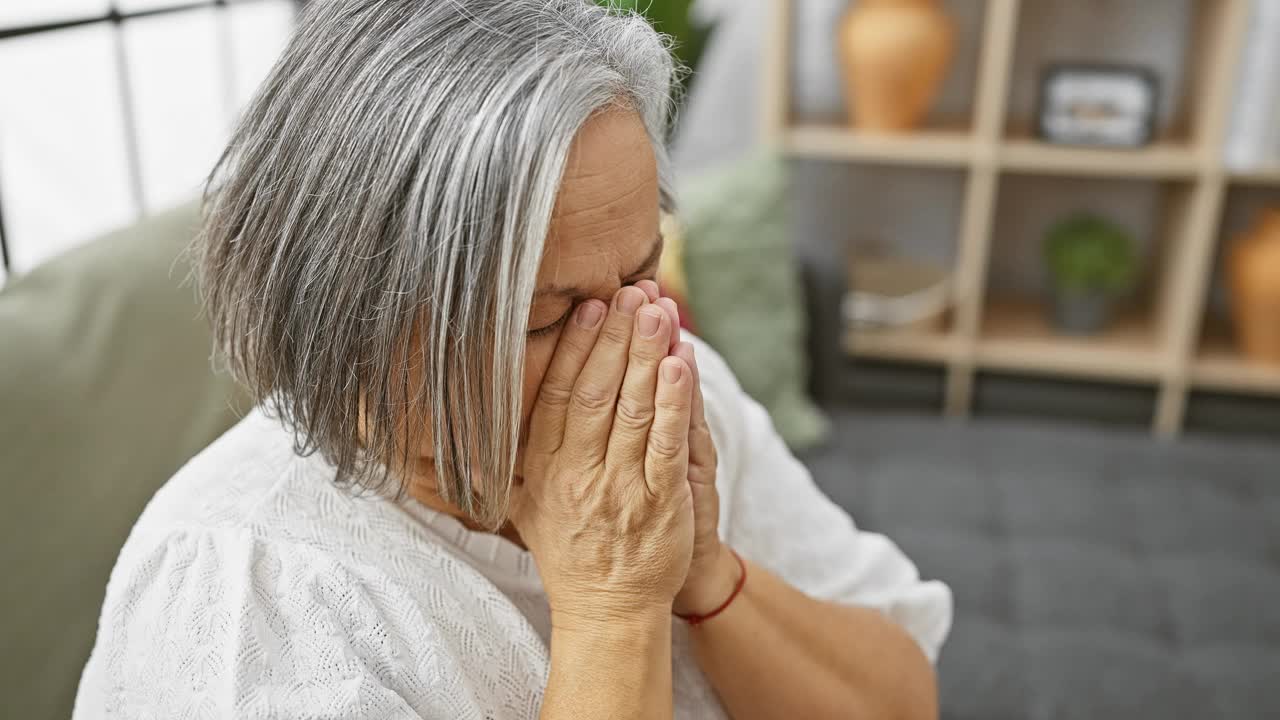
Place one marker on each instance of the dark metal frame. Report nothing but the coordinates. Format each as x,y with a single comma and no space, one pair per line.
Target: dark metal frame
115,17
1143,74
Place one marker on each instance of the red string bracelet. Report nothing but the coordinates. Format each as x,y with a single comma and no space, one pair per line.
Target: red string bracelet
695,620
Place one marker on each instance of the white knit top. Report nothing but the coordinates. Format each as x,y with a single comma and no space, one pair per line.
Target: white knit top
253,587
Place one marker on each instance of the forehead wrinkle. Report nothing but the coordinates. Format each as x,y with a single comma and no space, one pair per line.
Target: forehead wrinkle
595,169
597,230
600,200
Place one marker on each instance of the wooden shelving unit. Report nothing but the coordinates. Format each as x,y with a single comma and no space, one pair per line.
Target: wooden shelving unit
1162,160
1016,337
1162,345
932,148
919,347
1269,177
1219,367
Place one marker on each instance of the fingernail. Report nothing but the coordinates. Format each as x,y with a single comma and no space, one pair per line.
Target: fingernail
671,371
649,321
588,315
630,299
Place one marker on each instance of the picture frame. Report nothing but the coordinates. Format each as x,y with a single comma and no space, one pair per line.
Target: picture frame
1097,105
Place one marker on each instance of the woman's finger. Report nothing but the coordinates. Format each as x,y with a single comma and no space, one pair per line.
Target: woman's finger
673,311
595,394
650,289
666,462
546,424
634,414
684,351
702,449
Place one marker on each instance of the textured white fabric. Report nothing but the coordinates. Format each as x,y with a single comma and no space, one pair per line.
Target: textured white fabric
252,587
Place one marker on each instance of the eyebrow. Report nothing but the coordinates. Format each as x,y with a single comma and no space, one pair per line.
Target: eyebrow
650,262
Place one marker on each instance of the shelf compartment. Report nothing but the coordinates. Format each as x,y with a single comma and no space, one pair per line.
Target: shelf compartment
1219,365
1160,160
1017,336
905,345
1260,177
929,148
1120,33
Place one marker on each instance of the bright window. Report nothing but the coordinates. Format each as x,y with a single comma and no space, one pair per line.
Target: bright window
64,169
109,111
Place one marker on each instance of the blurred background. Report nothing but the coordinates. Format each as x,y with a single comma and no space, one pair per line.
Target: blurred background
112,112
1019,262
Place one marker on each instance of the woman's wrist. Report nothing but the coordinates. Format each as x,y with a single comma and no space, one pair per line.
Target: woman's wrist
713,583
608,645
605,621
610,665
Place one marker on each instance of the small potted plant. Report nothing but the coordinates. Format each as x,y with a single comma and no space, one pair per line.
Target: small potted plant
1092,262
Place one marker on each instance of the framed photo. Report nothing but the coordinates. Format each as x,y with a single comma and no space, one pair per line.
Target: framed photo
1097,105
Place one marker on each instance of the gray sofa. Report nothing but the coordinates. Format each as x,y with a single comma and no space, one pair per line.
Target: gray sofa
106,389
1097,574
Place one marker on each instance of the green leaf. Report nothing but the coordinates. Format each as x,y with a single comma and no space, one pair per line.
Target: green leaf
1086,252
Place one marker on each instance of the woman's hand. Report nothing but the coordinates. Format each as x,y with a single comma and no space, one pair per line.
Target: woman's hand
605,505
712,571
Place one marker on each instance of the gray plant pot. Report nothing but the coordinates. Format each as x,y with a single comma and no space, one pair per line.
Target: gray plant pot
1081,312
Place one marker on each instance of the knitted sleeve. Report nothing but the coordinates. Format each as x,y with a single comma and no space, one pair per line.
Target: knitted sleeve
218,623
773,513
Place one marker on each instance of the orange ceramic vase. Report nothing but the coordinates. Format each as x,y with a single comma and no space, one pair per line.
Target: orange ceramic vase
895,55
1254,269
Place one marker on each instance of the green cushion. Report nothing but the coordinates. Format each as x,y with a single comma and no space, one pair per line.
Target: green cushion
106,389
745,289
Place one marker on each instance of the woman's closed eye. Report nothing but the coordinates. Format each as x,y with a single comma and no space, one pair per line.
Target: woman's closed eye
574,295
549,330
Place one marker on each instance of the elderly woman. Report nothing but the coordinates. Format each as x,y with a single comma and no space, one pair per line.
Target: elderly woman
429,250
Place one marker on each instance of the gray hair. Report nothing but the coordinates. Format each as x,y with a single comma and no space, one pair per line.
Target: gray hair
374,229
